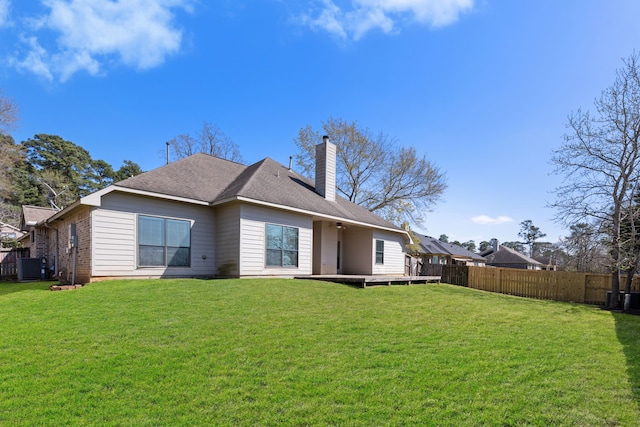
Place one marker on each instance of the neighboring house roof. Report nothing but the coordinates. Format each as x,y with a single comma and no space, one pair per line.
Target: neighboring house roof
33,215
432,246
506,255
7,229
214,181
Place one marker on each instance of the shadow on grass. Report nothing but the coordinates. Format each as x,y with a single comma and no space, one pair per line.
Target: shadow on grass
628,332
13,287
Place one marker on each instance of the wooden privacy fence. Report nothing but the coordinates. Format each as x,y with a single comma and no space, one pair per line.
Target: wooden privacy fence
552,285
9,262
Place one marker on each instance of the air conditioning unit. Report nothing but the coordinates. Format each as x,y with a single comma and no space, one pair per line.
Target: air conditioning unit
32,269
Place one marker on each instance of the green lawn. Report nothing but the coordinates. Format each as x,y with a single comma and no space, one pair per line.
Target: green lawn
288,352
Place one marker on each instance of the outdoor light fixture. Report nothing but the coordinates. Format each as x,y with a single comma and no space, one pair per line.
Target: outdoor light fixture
338,225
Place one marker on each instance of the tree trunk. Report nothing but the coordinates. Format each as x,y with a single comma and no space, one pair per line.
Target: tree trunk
627,287
614,302
629,281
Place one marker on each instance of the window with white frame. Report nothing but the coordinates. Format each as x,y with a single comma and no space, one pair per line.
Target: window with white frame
379,251
281,246
163,242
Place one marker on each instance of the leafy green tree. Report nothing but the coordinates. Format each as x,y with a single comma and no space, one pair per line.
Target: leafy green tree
517,246
99,175
127,170
412,248
444,238
62,172
374,171
470,245
71,163
484,245
56,188
529,233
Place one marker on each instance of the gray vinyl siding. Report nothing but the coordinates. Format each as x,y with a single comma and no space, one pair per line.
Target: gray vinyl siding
325,248
115,236
253,220
357,251
227,241
113,242
393,253
359,255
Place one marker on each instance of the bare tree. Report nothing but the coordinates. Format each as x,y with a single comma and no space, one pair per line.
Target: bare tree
600,160
11,156
209,140
585,248
8,114
10,153
630,242
9,214
374,171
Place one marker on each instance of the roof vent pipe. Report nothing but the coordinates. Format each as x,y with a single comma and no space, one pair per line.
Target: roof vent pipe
290,163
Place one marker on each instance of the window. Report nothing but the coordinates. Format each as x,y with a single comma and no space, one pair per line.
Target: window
163,242
379,251
281,246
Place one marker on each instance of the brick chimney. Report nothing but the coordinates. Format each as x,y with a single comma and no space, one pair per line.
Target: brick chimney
326,169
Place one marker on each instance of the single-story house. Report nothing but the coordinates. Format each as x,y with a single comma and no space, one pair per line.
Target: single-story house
8,231
203,216
548,262
36,233
503,256
433,251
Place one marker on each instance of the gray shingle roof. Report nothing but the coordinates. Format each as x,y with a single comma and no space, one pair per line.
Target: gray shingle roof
430,245
36,214
507,255
213,180
198,177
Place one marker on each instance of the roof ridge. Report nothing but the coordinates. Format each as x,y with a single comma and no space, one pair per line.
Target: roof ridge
526,257
241,181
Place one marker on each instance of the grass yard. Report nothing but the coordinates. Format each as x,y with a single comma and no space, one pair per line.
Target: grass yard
288,352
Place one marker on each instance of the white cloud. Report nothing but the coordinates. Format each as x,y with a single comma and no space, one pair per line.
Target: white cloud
487,220
90,33
353,19
4,13
36,60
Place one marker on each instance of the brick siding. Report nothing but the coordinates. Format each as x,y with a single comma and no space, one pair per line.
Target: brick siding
66,254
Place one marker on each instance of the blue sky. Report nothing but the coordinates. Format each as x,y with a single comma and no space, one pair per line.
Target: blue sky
482,87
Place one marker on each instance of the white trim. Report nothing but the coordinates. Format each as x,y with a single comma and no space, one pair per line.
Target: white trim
160,196
94,199
319,215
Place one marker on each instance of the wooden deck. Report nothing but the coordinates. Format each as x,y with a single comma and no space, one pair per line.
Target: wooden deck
364,281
